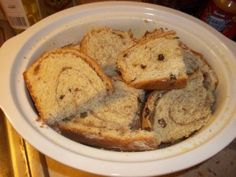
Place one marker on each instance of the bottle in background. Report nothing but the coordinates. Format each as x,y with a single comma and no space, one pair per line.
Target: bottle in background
21,14
221,14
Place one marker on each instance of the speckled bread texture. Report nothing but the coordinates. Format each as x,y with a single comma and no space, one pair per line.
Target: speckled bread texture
113,124
104,44
63,82
178,113
156,61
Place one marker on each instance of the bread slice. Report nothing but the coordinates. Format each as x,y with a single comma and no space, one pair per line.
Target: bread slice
64,81
176,114
156,61
104,44
113,123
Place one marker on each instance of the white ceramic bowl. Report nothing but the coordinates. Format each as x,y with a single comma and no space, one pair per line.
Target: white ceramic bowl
69,26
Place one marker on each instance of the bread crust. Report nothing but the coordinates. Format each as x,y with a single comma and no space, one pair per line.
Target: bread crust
157,33
160,84
106,141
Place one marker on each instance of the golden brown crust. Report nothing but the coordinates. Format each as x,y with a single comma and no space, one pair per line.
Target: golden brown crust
158,33
72,46
83,44
160,84
35,101
106,141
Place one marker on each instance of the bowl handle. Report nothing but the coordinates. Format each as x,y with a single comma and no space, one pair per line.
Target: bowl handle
7,56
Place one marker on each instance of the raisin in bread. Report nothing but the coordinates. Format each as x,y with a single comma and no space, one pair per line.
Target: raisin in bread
63,81
114,123
156,61
104,44
177,113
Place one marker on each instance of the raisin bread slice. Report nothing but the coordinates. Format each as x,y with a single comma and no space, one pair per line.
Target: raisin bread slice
113,123
176,114
104,44
201,77
156,61
64,81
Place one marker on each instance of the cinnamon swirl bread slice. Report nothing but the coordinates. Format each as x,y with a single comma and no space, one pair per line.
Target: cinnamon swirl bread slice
113,123
63,82
176,114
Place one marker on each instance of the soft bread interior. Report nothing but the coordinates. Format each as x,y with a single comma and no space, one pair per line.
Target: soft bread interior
145,64
62,82
156,61
104,44
180,112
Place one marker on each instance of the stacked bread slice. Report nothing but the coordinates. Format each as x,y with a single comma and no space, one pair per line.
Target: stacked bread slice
104,44
115,92
114,123
177,113
156,61
63,79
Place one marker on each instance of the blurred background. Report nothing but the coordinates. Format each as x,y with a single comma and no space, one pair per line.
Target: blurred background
21,14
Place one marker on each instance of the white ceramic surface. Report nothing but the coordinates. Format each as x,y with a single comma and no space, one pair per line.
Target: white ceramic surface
69,26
